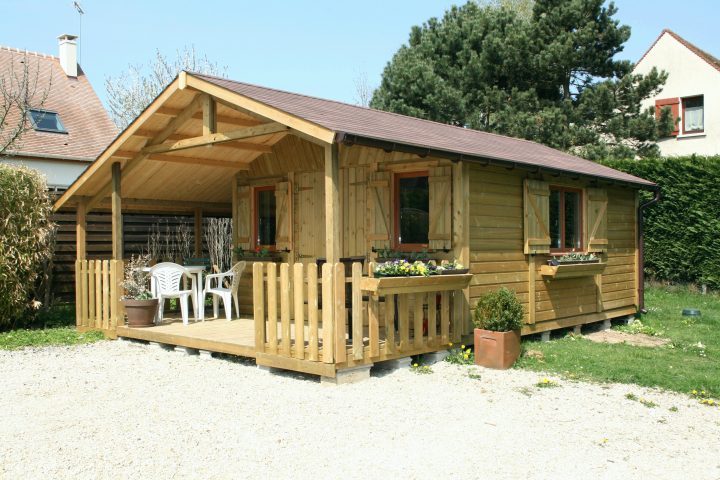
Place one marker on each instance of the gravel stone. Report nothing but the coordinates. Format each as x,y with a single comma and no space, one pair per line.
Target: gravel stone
128,410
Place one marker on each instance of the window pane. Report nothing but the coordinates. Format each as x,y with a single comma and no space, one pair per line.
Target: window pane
266,217
46,121
414,210
554,219
693,114
572,220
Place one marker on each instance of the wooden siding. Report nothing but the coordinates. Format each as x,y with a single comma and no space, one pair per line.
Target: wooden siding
497,259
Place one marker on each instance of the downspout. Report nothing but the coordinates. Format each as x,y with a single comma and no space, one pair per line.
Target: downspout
641,249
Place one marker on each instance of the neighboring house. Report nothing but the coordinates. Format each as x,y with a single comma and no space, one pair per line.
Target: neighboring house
71,128
318,182
692,92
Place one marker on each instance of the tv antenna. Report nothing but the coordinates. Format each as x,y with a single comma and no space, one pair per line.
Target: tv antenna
81,12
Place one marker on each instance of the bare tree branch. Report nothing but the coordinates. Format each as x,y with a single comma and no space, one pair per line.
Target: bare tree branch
19,93
363,90
133,90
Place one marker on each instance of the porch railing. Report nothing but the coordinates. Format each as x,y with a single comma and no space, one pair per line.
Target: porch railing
97,295
311,315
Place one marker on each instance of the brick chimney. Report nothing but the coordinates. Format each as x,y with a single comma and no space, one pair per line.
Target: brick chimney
68,54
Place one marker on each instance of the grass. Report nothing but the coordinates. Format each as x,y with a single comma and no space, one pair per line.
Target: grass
52,327
690,362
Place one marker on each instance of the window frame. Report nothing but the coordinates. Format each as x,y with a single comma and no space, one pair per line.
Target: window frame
397,245
256,217
62,129
581,219
682,101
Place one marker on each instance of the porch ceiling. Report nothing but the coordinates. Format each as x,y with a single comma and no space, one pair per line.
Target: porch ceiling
167,155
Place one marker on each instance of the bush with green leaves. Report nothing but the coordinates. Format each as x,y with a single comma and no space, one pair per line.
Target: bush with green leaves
26,233
499,311
682,231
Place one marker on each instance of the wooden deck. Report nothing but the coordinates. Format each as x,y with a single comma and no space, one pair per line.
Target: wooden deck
236,337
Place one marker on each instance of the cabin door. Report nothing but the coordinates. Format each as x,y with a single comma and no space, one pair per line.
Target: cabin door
309,228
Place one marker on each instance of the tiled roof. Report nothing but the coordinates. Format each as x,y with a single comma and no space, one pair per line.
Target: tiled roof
390,127
89,127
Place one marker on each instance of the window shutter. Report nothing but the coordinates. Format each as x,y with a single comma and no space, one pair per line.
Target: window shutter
378,210
674,104
244,217
283,216
537,216
440,183
597,203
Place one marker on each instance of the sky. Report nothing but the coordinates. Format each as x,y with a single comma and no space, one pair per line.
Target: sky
317,47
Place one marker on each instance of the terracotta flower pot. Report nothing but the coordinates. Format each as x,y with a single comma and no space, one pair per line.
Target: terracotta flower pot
141,313
497,350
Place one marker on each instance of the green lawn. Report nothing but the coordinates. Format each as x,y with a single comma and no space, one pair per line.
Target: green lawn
54,327
690,362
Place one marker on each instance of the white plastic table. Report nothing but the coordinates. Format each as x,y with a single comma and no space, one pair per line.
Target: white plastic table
198,300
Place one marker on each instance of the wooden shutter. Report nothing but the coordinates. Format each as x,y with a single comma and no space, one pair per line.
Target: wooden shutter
674,104
244,217
537,216
378,210
283,216
440,233
597,203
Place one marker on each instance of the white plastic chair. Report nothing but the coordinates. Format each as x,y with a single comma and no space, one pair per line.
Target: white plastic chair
166,279
220,291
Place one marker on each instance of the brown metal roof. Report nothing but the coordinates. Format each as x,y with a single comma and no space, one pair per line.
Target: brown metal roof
89,128
390,127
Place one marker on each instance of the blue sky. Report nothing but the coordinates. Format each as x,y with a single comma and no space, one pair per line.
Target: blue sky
314,47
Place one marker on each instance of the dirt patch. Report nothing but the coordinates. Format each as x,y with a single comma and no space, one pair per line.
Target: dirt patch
637,339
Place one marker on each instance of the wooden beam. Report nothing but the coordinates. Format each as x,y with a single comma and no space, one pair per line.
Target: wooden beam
332,202
461,239
163,135
248,132
262,109
117,229
199,161
209,115
184,205
115,145
230,120
123,154
198,232
81,231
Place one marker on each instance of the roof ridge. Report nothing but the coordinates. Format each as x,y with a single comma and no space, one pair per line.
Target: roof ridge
710,59
27,52
367,108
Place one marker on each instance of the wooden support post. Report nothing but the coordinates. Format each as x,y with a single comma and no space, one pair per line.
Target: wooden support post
81,231
332,203
117,226
209,115
531,289
198,232
461,241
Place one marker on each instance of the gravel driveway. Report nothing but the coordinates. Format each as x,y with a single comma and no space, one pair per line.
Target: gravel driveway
127,410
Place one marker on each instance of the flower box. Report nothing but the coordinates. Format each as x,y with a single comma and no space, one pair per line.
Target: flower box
395,285
572,270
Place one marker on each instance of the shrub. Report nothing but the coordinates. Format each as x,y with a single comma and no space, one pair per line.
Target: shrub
499,311
682,231
26,233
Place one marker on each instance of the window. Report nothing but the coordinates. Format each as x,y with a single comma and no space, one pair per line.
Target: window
693,114
412,210
44,121
565,219
265,217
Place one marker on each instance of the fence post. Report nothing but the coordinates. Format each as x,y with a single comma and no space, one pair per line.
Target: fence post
259,307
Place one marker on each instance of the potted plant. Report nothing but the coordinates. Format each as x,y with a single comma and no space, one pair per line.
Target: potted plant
140,307
260,254
498,318
573,258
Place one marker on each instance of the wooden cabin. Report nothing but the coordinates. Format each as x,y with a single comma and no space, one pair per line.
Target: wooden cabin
315,181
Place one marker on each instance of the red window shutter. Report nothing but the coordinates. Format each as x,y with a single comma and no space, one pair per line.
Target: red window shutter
674,104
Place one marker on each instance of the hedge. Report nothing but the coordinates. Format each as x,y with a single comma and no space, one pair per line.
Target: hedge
682,231
25,241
